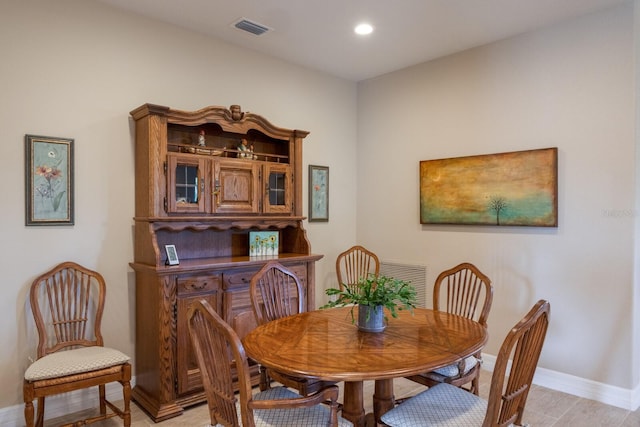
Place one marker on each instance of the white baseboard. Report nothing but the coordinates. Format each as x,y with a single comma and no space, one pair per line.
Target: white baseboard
62,404
611,395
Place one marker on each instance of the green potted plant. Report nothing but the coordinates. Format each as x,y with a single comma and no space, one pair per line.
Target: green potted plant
372,295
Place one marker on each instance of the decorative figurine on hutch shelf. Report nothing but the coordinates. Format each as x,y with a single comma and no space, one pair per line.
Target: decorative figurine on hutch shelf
243,150
201,139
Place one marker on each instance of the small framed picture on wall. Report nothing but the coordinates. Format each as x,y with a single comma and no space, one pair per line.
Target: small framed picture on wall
318,193
49,180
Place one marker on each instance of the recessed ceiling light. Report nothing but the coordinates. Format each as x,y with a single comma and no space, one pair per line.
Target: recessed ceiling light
363,29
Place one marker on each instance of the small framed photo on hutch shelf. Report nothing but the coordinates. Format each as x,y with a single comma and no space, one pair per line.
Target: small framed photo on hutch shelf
263,243
318,193
172,255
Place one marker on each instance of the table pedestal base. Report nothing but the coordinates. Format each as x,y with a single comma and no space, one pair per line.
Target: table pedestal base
383,398
353,407
370,420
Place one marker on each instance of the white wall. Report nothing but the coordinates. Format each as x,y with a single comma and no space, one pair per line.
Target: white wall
569,86
75,69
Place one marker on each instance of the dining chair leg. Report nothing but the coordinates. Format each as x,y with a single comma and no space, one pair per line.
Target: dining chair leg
102,394
28,414
265,381
40,412
475,386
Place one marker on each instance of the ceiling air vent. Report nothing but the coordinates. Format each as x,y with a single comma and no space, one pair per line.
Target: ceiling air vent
251,27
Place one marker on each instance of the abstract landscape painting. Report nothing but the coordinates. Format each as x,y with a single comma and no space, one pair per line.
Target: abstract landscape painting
506,189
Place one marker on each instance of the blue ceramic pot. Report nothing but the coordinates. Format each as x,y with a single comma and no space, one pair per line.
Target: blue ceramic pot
371,318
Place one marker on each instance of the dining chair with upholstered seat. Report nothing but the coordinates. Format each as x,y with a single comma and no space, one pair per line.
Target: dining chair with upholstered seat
276,292
356,263
221,357
463,290
67,304
447,405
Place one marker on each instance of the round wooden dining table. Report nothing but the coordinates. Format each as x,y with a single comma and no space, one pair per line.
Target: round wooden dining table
327,345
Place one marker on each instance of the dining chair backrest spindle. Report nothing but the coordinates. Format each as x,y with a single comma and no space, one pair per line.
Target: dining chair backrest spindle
356,263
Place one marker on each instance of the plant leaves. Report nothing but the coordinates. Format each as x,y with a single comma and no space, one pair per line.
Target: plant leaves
394,294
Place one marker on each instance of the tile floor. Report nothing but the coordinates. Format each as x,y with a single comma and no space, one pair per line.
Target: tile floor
545,408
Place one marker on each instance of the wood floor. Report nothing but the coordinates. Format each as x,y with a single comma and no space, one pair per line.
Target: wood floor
545,408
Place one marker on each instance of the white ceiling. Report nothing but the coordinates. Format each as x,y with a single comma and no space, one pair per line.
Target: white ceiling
319,34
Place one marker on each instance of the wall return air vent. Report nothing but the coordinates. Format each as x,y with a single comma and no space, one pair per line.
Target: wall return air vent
415,274
251,27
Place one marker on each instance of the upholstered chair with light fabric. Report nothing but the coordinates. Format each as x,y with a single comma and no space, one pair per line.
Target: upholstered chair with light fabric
445,405
463,290
221,357
356,263
67,304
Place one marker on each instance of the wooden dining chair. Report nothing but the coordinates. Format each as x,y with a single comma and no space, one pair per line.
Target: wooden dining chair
276,292
67,304
356,263
463,290
447,405
221,357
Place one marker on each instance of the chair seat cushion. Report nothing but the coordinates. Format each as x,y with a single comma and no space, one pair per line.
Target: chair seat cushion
76,361
452,370
443,405
295,417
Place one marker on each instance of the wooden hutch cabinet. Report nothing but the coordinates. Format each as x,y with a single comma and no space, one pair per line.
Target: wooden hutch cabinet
205,180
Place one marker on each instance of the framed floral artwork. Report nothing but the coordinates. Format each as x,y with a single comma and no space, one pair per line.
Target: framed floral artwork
318,193
263,243
49,180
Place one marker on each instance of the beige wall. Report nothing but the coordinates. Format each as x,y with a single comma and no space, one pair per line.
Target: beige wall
569,86
75,69
635,369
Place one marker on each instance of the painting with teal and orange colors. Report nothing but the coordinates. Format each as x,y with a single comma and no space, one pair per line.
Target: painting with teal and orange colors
506,189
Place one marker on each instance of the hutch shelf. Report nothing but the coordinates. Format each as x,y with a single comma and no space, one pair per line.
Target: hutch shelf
205,179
